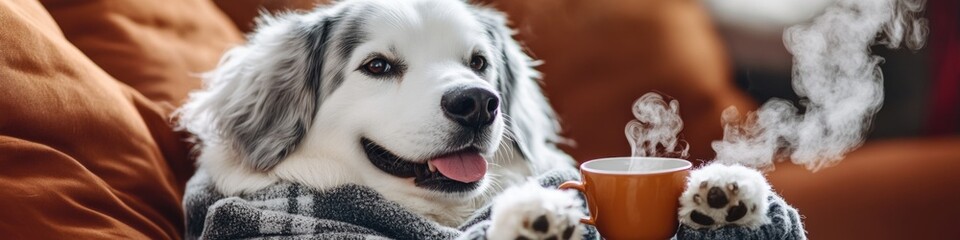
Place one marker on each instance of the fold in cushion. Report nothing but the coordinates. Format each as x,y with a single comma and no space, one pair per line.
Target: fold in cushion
48,194
243,12
158,47
82,155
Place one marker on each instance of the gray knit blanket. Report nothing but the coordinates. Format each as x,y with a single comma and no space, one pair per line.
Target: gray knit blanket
293,211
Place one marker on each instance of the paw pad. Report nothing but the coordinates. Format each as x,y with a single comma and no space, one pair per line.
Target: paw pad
737,212
700,218
541,224
716,198
568,234
718,195
720,198
734,213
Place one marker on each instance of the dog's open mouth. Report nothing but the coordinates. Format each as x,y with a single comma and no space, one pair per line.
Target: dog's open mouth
458,171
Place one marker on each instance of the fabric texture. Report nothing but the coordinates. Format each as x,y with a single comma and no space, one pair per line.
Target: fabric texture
88,153
289,210
158,47
78,156
785,225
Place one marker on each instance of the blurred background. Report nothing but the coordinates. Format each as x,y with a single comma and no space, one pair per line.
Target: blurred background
915,103
116,69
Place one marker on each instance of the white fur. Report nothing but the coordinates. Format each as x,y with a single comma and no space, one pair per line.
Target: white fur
519,207
753,190
433,37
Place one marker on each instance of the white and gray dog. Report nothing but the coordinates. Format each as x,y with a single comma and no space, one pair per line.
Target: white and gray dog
414,99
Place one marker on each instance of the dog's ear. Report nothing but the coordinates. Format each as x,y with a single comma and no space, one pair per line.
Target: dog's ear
533,123
262,98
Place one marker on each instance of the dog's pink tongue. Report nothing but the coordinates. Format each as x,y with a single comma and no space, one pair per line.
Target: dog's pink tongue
463,167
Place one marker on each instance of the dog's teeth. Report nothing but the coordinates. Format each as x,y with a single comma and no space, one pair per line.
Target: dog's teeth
431,167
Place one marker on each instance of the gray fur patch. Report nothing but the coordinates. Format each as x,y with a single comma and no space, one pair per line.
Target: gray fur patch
530,117
277,92
353,34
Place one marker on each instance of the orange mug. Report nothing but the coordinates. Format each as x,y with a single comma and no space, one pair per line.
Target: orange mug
639,203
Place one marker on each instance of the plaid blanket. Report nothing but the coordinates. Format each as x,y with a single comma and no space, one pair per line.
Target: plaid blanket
293,211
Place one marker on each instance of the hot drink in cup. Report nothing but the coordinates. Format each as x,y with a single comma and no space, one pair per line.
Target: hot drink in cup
638,202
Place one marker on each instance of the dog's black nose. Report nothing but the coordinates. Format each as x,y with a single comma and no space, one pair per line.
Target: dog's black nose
471,107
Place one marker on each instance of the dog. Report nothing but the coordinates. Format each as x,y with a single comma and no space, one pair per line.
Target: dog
431,103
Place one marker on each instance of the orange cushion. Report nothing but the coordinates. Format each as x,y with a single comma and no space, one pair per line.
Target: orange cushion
158,47
83,154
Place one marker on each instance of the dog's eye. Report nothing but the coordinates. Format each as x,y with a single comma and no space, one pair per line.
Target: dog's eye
478,63
377,66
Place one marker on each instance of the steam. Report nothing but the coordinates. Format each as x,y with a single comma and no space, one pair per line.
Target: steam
838,80
656,127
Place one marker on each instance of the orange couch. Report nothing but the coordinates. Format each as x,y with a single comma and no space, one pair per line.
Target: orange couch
86,145
86,148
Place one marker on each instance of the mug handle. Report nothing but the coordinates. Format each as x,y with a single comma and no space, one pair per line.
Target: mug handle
579,187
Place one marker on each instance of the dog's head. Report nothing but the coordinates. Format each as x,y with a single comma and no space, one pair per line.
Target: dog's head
425,90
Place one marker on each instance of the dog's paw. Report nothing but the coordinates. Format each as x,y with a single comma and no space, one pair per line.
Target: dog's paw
719,195
533,212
